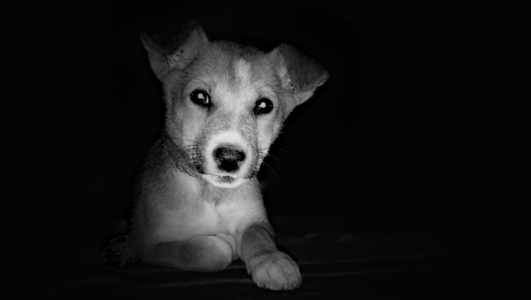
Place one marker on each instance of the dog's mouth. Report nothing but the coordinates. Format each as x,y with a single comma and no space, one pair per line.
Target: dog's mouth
224,181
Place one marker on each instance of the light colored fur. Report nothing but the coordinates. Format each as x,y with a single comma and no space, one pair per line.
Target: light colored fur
189,213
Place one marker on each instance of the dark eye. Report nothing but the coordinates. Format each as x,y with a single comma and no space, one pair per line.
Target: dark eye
200,98
263,106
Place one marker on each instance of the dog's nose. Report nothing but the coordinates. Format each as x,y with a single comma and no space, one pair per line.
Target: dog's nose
229,158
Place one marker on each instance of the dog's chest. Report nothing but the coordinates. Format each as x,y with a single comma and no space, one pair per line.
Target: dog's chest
208,218
227,216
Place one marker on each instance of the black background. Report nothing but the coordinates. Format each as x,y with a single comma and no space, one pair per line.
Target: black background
382,146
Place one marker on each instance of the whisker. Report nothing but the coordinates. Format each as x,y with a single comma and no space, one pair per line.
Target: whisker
272,170
274,159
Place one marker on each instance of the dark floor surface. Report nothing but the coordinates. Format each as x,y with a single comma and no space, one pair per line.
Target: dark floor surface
334,265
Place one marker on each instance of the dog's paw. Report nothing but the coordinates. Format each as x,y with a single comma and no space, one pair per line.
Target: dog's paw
275,271
229,239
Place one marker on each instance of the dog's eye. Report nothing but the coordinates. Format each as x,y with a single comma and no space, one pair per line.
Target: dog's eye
263,106
201,98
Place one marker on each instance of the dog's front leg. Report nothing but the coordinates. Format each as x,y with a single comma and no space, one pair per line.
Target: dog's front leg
269,267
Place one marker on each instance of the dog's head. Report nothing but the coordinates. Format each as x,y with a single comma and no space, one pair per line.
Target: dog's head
225,103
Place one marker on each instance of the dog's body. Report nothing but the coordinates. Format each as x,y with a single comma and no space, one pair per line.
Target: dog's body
198,205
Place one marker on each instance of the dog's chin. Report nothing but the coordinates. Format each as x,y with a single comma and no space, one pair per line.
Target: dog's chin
224,181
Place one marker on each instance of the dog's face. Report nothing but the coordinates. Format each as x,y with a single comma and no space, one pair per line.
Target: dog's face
226,104
226,109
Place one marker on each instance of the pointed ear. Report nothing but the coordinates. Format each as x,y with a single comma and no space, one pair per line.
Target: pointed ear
299,74
173,46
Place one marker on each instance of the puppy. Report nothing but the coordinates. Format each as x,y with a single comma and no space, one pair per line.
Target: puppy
197,203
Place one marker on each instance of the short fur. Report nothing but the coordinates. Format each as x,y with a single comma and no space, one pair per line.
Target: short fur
197,204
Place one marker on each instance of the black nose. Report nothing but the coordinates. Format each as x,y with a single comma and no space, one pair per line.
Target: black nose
229,158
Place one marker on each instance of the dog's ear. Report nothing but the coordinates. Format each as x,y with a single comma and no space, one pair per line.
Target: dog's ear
173,46
299,74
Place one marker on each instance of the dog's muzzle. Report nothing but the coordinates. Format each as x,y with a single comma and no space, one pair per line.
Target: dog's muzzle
229,158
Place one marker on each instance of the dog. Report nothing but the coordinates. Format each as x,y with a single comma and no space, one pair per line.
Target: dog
197,204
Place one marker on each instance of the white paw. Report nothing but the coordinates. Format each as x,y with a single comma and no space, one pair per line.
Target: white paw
275,271
229,239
